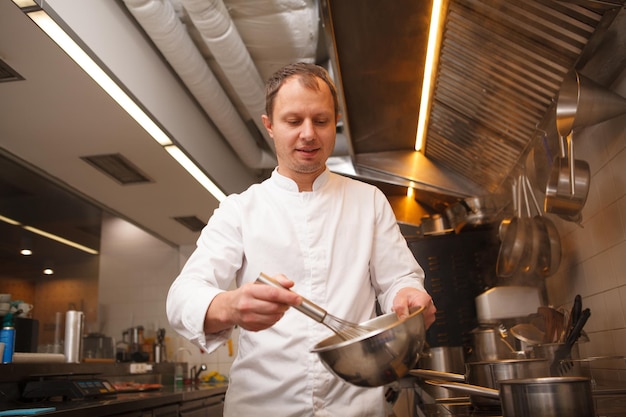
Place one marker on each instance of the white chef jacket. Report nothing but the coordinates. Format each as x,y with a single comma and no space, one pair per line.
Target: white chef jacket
341,245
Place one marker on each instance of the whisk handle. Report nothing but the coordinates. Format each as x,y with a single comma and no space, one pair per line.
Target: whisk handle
307,307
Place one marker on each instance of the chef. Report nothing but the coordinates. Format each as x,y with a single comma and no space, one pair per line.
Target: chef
332,239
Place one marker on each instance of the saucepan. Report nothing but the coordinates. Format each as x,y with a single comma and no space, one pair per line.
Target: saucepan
443,359
568,185
489,374
514,247
381,356
536,397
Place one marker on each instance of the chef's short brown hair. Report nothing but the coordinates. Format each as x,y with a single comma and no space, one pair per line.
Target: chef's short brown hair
307,74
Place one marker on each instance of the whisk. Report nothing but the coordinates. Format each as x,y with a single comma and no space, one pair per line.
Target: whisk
344,329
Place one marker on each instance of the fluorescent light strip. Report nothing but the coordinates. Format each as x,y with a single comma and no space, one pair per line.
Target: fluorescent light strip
182,159
60,239
10,221
66,43
75,52
49,235
429,68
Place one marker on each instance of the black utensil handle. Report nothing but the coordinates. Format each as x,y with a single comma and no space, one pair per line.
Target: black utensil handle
578,327
577,309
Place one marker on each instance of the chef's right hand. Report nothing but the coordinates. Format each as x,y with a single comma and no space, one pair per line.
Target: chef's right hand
252,306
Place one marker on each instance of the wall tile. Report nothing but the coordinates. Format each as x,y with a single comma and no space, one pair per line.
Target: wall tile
606,229
615,310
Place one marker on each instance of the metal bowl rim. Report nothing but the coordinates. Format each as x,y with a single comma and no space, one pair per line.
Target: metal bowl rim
319,349
544,380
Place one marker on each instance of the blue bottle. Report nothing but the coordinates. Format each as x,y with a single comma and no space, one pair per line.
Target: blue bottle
7,336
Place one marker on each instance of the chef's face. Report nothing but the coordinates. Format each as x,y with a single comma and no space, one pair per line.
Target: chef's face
303,128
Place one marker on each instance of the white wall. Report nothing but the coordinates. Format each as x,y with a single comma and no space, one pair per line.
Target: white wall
136,271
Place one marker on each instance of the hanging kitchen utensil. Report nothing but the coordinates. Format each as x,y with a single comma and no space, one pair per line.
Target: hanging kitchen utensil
542,248
581,102
568,185
505,222
527,263
514,247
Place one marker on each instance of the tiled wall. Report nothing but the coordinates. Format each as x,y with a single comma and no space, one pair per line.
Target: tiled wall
595,255
136,271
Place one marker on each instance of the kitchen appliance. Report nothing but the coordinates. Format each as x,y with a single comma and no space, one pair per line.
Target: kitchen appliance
507,302
159,351
98,346
26,334
66,387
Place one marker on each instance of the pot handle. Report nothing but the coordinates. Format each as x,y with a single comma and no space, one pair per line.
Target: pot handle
467,388
430,373
570,151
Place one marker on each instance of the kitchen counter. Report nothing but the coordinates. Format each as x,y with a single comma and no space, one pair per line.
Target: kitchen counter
160,397
122,403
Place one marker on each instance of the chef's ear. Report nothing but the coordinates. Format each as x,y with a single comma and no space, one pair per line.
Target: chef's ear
268,124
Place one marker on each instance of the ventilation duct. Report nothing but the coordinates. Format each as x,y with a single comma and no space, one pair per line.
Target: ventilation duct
159,20
220,35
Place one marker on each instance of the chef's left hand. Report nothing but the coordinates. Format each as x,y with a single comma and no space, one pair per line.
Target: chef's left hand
410,298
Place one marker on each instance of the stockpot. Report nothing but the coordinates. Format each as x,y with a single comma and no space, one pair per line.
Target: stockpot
536,397
488,374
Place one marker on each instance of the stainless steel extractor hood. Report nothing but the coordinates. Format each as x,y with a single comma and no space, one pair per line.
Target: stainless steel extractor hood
501,64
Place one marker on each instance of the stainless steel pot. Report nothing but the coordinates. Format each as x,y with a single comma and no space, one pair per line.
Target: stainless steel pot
492,344
536,397
443,359
489,374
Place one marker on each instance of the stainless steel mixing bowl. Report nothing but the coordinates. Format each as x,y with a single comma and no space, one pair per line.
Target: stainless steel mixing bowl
379,357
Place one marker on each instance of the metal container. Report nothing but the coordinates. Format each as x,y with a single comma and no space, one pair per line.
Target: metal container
535,397
492,344
547,351
489,374
74,323
449,359
379,357
547,397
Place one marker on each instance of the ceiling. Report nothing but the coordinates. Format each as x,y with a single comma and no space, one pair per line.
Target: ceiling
197,66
